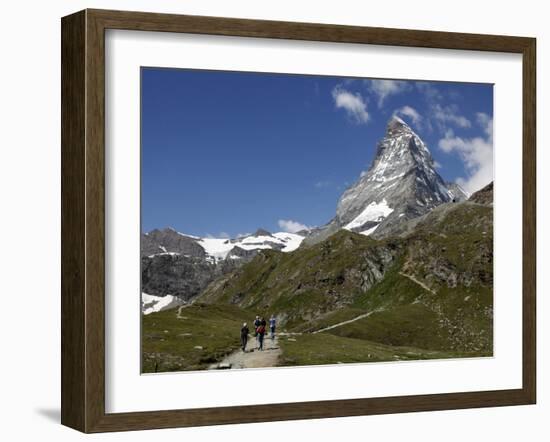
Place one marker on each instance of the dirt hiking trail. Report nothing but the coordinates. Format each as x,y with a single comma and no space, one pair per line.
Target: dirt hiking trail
349,321
420,283
252,358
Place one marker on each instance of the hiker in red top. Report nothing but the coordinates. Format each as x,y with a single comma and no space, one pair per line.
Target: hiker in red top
260,331
257,323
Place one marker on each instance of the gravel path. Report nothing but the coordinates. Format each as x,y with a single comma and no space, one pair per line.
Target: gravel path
252,358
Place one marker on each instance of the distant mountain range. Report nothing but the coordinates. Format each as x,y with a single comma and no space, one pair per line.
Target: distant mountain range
402,184
169,241
180,265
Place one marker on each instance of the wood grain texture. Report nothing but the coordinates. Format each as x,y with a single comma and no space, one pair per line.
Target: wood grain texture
83,220
529,220
95,222
73,254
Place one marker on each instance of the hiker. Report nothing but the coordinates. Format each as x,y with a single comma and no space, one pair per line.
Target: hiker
257,323
261,333
272,324
244,336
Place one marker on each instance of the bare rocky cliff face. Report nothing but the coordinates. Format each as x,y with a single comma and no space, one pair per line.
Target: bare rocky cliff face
180,275
400,184
169,240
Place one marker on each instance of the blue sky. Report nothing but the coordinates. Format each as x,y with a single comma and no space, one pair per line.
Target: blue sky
224,153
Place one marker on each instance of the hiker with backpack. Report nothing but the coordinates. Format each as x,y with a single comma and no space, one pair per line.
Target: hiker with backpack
272,324
261,333
257,323
244,336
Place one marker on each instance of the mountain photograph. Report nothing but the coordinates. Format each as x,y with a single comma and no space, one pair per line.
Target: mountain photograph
292,220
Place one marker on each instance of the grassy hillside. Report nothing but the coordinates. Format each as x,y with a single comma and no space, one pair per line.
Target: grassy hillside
431,288
309,282
425,293
191,338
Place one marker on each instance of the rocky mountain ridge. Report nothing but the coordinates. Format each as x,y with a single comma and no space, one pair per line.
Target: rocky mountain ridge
176,264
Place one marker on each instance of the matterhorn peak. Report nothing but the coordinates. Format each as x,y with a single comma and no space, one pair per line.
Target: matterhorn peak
397,126
400,184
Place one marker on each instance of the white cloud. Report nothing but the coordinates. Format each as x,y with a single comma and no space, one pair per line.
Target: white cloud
410,112
477,154
450,114
442,116
291,226
354,104
485,122
384,88
437,164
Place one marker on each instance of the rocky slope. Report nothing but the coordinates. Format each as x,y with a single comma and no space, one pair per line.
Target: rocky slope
169,241
307,282
483,196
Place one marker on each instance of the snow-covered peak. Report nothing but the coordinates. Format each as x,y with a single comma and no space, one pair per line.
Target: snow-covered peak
402,177
169,241
220,248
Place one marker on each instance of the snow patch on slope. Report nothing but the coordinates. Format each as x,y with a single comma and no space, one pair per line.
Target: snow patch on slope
164,254
291,240
219,248
374,212
152,304
216,247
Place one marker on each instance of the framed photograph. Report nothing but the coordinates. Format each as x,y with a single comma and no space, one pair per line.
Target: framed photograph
268,220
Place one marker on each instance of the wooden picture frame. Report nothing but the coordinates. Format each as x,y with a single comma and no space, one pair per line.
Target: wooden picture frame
83,220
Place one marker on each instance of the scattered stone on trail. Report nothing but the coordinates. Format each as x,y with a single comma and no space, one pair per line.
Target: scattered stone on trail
251,357
184,335
291,339
166,331
198,347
